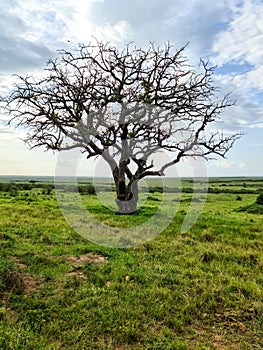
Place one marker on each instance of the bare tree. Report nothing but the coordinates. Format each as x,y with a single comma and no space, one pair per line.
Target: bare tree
125,106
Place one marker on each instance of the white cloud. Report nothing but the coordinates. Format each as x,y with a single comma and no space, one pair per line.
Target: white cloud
10,135
119,32
242,40
248,108
257,126
226,164
241,43
252,79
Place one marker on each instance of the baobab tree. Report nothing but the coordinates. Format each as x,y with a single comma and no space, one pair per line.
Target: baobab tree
125,106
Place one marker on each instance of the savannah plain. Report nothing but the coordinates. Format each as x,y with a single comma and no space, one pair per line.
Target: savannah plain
200,289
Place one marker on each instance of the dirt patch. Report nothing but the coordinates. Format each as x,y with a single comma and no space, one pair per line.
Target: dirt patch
77,273
221,343
18,263
78,261
31,283
221,337
19,283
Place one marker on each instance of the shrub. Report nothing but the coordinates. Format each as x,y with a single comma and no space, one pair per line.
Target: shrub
158,189
4,187
88,189
259,199
13,191
47,189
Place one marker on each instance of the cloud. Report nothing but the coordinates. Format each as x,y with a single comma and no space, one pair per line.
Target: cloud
198,22
22,55
177,21
5,131
119,32
229,33
10,135
17,52
248,108
239,46
242,40
251,80
226,164
257,126
31,31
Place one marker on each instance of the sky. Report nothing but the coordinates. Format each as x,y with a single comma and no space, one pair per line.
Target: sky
227,33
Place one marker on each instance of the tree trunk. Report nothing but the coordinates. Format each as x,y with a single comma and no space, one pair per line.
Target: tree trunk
127,197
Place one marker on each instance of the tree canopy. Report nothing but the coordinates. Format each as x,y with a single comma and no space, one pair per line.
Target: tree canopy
125,106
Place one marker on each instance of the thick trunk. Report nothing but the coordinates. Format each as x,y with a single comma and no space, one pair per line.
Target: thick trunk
127,207
127,197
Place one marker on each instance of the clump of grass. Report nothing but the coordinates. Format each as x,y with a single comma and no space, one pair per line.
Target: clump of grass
259,199
255,208
251,208
10,278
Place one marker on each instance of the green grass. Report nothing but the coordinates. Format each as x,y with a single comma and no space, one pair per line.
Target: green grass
202,289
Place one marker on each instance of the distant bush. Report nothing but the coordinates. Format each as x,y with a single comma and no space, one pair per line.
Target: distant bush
238,198
259,199
4,187
166,189
158,189
8,187
89,189
47,189
153,199
187,190
13,191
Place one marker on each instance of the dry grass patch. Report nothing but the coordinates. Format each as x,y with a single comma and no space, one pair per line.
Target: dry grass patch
78,261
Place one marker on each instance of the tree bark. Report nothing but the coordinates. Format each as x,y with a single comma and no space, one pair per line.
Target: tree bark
127,197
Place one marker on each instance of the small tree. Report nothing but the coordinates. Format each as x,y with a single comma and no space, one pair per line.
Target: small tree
125,106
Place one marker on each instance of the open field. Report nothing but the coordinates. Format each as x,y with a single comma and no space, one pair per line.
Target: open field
201,289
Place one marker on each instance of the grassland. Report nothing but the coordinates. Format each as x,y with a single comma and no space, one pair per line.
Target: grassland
202,289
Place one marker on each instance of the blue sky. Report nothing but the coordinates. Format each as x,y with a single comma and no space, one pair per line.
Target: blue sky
228,33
